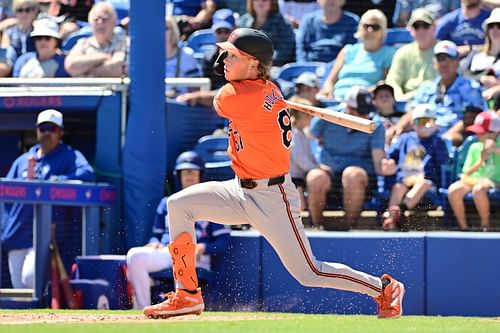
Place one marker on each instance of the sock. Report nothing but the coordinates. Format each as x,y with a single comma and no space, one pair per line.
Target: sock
193,292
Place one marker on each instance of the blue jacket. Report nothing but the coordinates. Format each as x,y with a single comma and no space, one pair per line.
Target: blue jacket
61,164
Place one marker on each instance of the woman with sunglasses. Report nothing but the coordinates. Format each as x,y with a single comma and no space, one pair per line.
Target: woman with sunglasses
48,60
364,63
483,65
18,36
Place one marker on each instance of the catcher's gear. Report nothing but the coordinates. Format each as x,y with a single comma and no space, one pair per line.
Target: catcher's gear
219,63
182,251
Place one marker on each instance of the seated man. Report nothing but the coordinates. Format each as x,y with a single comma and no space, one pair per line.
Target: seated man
354,157
211,238
50,159
104,53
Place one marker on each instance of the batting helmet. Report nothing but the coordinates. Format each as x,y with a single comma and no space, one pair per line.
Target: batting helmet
189,160
247,41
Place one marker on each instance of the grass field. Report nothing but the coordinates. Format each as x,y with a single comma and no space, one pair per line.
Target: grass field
27,321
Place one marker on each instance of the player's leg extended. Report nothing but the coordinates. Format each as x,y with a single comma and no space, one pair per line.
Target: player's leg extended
284,231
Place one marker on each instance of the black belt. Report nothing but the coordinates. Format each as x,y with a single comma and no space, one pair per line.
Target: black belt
251,183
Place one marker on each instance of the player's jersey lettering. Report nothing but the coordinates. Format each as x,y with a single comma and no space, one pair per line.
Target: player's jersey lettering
271,99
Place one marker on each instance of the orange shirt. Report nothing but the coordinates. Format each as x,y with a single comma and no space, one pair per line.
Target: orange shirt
260,131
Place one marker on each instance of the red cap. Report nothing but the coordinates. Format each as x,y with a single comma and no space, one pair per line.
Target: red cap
485,122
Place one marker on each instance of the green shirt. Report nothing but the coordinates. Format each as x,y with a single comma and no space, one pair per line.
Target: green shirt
410,68
490,169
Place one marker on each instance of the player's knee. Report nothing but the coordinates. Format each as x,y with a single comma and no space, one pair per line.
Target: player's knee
135,258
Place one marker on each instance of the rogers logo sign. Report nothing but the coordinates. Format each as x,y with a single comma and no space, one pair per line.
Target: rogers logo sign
62,193
34,101
107,195
12,191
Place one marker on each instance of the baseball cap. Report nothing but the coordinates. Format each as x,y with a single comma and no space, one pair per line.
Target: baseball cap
485,122
50,116
493,18
189,160
381,85
45,27
446,47
360,99
247,41
308,79
223,18
423,111
420,14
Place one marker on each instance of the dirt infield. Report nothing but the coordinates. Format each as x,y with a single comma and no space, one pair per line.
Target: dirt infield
52,317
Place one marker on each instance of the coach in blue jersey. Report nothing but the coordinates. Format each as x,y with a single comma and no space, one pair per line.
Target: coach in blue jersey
50,159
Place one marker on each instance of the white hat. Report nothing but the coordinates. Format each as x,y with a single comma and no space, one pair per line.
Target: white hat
45,27
50,116
423,111
493,18
308,79
446,47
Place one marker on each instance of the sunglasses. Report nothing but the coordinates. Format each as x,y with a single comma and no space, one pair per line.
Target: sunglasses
47,128
421,122
443,57
494,25
102,18
421,25
374,27
25,10
222,31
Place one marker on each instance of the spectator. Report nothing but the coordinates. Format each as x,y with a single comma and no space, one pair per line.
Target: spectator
418,156
71,13
364,63
359,7
412,63
222,26
265,16
481,171
354,158
301,156
50,159
7,59
193,15
180,61
18,36
323,33
483,65
458,132
153,257
294,10
48,60
464,26
104,53
449,93
239,7
386,112
307,87
437,8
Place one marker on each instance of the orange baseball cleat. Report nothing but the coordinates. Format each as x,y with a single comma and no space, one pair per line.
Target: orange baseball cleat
178,303
390,301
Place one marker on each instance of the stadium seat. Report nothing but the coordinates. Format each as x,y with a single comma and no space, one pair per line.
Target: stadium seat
71,39
291,71
213,150
398,37
202,41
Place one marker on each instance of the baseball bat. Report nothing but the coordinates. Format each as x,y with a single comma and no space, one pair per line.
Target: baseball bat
55,302
69,295
339,118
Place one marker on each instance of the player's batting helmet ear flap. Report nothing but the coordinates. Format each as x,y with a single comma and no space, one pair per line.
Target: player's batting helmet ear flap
219,63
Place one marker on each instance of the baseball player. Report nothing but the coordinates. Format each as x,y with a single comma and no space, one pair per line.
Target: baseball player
262,193
212,238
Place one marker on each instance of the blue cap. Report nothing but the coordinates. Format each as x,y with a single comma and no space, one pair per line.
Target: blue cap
223,18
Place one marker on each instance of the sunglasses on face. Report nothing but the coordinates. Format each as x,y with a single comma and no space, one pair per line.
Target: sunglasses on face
443,57
47,128
494,25
421,122
222,31
101,18
374,27
421,25
25,10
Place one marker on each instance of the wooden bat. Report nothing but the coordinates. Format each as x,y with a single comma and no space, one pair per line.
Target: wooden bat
339,118
55,302
69,295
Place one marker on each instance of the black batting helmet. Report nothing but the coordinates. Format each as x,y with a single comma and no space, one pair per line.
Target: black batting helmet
247,41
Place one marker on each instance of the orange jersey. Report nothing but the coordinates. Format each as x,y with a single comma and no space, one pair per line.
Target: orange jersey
260,131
